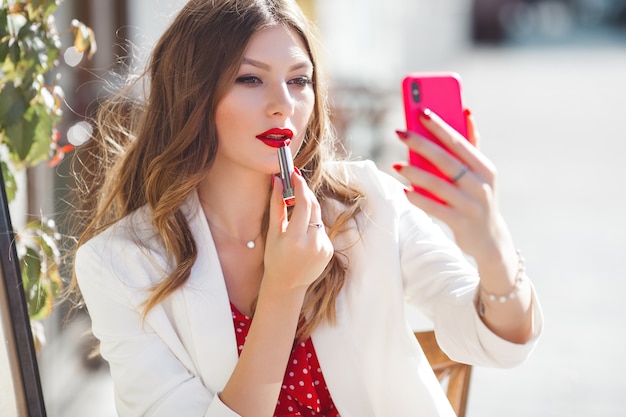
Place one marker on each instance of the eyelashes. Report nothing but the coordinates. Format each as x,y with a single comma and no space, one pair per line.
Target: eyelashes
254,80
248,79
303,81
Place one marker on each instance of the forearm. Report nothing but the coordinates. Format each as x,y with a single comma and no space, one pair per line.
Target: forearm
505,297
255,383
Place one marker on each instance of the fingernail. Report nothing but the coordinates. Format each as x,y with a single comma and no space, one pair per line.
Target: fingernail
427,114
402,134
273,179
406,190
297,170
397,167
467,112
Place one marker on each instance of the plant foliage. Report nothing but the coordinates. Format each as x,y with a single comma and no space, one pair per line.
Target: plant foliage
30,97
31,100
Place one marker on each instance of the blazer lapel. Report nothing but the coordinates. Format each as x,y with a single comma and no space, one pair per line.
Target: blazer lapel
335,350
208,308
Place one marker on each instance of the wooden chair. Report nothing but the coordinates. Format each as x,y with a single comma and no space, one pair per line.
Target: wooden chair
454,375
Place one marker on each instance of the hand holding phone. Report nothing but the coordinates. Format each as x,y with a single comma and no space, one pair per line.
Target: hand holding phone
441,93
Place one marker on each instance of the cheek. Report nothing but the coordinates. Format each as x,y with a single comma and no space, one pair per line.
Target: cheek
225,111
228,116
305,109
305,112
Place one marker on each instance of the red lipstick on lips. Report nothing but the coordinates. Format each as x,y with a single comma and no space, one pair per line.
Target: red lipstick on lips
276,137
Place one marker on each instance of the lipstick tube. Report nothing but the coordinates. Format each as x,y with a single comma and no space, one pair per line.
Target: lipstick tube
286,169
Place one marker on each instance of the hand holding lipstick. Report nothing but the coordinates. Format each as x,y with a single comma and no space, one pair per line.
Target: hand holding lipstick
295,252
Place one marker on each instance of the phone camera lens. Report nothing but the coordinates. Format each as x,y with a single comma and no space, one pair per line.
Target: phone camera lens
415,91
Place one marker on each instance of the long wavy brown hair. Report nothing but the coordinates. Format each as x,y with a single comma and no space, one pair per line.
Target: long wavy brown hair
155,151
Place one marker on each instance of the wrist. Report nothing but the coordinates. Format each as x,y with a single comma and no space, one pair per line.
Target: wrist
485,295
275,292
496,248
499,269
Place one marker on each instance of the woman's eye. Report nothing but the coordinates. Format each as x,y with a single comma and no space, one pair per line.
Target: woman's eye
301,81
248,79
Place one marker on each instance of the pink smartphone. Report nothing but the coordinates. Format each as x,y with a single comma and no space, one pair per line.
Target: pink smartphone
441,93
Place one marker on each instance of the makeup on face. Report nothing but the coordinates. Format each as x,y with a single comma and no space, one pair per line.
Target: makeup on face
286,169
276,137
280,138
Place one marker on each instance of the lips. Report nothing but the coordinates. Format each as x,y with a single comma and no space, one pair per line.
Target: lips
276,137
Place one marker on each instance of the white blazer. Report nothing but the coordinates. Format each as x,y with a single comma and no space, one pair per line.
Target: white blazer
178,360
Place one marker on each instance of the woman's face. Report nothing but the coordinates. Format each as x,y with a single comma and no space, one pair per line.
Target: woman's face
272,95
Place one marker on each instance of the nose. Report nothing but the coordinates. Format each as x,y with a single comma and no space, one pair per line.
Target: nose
280,101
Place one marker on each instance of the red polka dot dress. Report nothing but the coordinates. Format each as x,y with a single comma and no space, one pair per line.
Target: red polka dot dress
304,391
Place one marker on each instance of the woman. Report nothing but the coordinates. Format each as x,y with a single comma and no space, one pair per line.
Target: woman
211,298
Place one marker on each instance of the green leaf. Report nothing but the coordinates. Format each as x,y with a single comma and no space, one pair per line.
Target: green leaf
43,295
40,267
9,181
21,135
4,50
13,105
38,297
28,66
45,7
42,135
14,51
38,50
45,236
31,268
28,31
4,30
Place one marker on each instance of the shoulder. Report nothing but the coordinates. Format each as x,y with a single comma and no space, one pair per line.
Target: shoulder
384,199
126,250
130,249
367,178
134,232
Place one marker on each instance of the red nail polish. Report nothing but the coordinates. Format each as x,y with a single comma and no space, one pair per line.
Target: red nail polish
273,177
467,112
297,170
427,114
397,167
402,134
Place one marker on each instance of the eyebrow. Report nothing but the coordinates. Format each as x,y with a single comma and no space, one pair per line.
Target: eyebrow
266,67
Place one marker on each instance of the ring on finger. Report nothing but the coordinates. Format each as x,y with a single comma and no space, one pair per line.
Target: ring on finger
316,225
462,171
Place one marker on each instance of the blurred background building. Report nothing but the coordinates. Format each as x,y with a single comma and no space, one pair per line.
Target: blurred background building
546,81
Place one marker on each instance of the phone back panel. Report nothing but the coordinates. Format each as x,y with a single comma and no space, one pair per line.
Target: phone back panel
441,93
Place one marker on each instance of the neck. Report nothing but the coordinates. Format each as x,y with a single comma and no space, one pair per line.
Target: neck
235,205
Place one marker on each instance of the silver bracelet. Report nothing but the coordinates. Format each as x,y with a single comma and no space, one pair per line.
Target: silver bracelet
519,279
